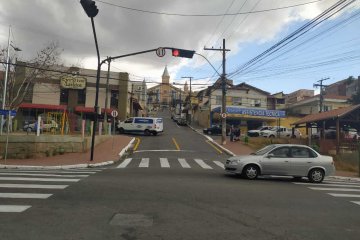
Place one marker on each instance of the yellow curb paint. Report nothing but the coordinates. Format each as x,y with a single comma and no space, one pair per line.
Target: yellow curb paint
137,144
176,144
217,149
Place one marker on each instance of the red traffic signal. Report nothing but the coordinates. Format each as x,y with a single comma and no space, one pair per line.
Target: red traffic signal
89,7
176,52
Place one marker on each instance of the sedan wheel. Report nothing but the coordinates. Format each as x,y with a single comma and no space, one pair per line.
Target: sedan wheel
251,172
316,175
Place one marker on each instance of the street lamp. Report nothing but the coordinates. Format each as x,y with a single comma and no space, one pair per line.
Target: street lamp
6,77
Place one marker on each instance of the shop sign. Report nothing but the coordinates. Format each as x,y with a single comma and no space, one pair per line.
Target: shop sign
253,112
73,82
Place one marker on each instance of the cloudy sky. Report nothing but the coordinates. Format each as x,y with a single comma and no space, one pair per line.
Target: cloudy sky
331,49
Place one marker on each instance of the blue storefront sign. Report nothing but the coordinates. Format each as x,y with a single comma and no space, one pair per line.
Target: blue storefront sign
253,112
6,112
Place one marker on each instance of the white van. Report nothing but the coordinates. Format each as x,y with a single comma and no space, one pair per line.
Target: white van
146,125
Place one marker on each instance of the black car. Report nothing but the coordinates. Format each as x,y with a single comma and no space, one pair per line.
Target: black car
215,130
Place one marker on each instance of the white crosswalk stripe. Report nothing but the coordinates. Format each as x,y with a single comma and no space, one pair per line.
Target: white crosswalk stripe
144,163
220,164
27,179
125,163
336,188
164,163
183,163
202,164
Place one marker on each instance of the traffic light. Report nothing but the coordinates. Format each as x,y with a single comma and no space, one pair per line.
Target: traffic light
89,7
176,52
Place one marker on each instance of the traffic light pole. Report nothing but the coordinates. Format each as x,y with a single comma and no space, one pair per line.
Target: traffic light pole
223,81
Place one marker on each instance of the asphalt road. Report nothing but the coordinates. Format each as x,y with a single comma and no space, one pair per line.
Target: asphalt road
155,195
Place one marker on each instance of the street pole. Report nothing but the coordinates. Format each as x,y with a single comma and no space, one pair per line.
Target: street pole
5,81
223,80
96,107
131,100
106,95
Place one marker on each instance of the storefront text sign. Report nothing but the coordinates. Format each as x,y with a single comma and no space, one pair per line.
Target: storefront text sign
73,82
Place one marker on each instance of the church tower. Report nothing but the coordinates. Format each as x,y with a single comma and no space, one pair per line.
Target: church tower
165,88
186,88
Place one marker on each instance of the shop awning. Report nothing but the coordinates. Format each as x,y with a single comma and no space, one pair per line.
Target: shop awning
91,109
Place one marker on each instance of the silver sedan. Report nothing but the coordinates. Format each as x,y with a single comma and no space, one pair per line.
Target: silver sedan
285,160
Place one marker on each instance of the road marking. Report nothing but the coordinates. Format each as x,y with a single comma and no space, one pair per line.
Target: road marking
356,202
350,183
211,144
344,195
25,195
164,150
220,164
124,163
176,144
41,175
324,184
33,186
137,144
44,171
164,163
144,163
13,208
39,179
202,164
335,189
183,163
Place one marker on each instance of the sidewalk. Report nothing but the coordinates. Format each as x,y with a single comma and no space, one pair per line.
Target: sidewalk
105,152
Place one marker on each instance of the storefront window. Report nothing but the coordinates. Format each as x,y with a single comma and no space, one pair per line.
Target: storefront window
114,98
81,96
64,96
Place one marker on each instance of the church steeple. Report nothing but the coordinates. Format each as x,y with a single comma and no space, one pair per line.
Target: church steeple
186,88
165,76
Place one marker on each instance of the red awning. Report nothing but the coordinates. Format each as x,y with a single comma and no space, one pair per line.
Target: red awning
90,109
43,106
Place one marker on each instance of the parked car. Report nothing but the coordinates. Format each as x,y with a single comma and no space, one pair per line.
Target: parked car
215,130
256,132
181,121
281,132
146,125
50,127
283,159
350,133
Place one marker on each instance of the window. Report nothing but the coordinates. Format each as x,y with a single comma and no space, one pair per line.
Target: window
255,102
236,101
114,98
327,108
280,101
218,100
81,96
301,152
129,120
64,96
144,120
281,152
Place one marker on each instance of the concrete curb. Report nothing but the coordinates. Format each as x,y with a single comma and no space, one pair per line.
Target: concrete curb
351,179
212,141
84,165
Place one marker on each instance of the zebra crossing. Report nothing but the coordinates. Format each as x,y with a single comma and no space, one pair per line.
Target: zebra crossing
171,163
337,188
24,185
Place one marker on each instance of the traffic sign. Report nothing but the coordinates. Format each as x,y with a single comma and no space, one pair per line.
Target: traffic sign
160,52
6,112
223,115
114,113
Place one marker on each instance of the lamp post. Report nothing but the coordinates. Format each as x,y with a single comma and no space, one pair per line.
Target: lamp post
6,77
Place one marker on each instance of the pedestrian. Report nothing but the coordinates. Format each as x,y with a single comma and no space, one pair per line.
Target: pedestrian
232,132
237,134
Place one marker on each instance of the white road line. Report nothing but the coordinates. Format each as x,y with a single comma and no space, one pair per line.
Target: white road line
164,163
124,163
41,175
13,208
344,195
220,164
144,163
25,195
183,163
39,179
324,184
336,189
356,202
44,171
33,186
202,164
341,182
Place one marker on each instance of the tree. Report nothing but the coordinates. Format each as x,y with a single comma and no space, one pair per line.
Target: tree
355,98
23,74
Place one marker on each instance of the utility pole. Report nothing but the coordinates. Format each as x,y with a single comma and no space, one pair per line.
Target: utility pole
106,96
190,94
320,84
131,100
223,80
